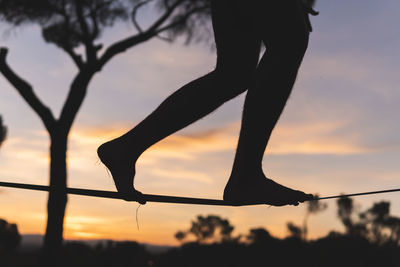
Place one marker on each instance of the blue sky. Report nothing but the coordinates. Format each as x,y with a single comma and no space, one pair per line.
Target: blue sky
338,133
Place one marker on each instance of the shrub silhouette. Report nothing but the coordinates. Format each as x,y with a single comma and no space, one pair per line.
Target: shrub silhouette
10,238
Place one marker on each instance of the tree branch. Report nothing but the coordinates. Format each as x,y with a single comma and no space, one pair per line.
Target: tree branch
166,39
79,14
122,46
134,12
131,41
69,50
75,97
164,17
87,36
177,22
93,16
26,91
75,57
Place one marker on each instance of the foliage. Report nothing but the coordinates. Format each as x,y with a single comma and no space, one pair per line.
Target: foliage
333,250
294,230
209,229
313,207
258,235
260,249
9,236
382,226
71,23
376,224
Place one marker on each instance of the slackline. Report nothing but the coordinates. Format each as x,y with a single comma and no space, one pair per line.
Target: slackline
167,199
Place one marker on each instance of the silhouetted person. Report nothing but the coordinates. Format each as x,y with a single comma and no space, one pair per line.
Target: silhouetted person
239,28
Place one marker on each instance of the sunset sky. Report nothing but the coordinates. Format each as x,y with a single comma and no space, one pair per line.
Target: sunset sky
339,132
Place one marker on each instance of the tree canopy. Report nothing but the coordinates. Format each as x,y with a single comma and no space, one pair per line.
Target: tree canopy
211,228
73,23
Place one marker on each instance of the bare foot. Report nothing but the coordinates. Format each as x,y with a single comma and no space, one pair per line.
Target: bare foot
122,170
262,191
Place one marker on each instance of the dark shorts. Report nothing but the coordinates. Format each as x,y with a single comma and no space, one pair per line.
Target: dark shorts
262,14
241,25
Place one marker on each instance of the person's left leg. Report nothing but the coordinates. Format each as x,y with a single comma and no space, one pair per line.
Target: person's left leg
237,57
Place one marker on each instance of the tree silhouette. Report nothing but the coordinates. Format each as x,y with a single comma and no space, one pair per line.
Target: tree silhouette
72,25
259,236
375,224
346,215
3,131
207,229
376,217
345,210
393,224
382,227
180,235
9,236
294,230
313,207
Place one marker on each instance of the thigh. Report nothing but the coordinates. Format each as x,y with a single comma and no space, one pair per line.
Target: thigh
281,24
237,41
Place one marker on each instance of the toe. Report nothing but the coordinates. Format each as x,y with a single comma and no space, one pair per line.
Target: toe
141,199
305,197
134,196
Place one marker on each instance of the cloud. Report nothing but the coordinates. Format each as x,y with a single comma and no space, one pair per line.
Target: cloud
176,145
315,138
25,158
182,174
83,226
302,138
288,138
363,73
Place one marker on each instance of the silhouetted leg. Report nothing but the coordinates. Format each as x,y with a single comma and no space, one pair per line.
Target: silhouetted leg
237,50
285,44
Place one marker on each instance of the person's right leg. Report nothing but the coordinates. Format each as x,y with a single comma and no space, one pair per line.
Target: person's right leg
237,52
285,35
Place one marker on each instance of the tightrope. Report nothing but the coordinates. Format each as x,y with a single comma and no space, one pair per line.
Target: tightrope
168,199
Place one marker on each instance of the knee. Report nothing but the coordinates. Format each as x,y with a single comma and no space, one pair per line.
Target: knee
291,50
298,47
233,79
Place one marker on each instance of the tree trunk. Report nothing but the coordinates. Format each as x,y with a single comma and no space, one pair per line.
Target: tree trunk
57,200
305,227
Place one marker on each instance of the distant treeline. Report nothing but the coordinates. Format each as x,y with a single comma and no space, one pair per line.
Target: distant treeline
371,238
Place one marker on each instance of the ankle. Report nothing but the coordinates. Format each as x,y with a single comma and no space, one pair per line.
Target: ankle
117,150
245,173
132,147
250,179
